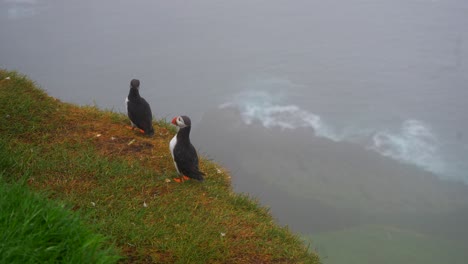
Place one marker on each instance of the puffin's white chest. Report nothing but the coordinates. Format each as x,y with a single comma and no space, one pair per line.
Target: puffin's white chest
126,107
172,145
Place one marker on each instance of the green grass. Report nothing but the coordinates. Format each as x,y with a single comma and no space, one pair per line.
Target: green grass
386,245
120,184
35,230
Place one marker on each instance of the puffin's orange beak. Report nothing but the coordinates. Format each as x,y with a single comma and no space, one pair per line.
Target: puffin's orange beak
174,121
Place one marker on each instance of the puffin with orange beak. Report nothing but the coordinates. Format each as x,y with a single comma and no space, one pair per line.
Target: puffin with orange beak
183,152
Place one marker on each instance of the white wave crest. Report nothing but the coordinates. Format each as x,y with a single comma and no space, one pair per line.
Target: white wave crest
414,143
261,106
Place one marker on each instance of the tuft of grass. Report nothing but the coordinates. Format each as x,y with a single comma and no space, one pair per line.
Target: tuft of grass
121,183
35,230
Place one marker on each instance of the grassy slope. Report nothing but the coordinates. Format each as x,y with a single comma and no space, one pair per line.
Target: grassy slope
387,245
35,230
118,179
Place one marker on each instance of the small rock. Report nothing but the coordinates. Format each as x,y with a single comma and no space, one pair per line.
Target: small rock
144,204
93,203
7,78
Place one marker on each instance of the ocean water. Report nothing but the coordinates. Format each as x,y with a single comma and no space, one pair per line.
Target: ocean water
411,141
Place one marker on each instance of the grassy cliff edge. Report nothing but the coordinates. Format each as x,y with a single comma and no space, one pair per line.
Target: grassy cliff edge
120,184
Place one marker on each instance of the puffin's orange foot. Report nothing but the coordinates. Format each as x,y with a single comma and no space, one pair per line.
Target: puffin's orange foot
142,131
178,180
130,127
181,179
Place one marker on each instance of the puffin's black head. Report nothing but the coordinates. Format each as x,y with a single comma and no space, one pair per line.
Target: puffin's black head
181,121
135,83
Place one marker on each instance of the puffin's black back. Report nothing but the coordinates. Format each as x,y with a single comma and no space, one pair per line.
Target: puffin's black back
186,156
139,110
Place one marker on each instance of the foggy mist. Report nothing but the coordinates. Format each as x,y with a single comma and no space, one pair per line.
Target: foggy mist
346,118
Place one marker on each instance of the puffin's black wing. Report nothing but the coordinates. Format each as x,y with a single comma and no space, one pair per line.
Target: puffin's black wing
187,161
140,114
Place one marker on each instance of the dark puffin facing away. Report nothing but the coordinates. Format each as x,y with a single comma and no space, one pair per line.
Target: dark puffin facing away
138,109
183,152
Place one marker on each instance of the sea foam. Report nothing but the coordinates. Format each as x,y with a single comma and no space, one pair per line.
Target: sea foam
413,142
265,108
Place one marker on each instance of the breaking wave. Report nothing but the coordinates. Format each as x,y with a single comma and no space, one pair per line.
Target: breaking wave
261,106
412,143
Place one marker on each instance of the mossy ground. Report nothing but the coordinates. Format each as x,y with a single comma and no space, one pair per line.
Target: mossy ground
121,183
